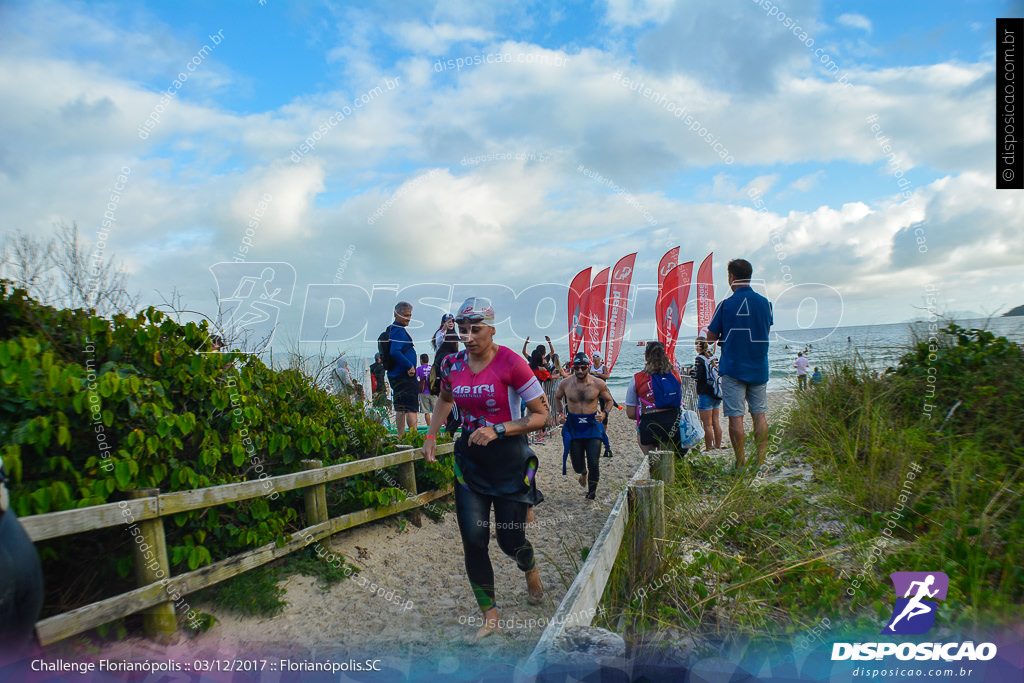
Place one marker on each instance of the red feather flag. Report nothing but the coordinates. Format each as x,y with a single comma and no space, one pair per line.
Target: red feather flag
683,274
618,297
596,304
705,296
669,313
577,303
665,265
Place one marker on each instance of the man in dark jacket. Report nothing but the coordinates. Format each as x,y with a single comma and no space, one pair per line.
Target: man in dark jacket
402,374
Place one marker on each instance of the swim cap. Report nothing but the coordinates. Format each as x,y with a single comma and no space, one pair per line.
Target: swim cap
476,310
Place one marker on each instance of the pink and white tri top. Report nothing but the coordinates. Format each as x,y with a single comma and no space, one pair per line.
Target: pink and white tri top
493,395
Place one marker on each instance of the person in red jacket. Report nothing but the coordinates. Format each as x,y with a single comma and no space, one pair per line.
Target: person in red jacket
656,425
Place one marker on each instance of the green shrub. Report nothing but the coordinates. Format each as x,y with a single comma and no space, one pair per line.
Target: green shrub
76,388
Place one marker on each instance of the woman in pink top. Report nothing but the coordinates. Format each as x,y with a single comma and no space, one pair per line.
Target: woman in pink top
493,464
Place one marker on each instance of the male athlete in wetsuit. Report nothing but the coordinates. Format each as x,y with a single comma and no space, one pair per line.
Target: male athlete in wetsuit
582,432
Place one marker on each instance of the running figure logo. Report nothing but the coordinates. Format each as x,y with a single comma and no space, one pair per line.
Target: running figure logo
913,614
251,296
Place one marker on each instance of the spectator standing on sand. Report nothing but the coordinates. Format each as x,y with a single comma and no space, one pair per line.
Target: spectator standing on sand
427,401
801,366
402,374
557,369
708,404
538,352
446,332
656,426
341,378
379,387
538,365
816,379
445,342
742,323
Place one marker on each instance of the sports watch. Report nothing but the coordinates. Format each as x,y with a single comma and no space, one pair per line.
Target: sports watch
499,429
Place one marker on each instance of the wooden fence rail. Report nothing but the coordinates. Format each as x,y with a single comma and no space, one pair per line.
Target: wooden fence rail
153,596
628,523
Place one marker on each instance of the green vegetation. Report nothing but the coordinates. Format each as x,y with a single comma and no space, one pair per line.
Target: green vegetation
91,408
256,593
878,474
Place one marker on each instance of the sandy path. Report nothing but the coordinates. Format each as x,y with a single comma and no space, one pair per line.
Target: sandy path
425,566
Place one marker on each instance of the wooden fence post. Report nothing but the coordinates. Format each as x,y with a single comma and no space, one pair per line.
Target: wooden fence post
159,621
315,496
663,466
647,523
407,480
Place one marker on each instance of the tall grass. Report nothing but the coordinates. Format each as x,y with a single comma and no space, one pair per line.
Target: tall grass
954,406
775,559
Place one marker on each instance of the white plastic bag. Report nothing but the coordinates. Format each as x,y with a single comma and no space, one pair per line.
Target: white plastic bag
691,431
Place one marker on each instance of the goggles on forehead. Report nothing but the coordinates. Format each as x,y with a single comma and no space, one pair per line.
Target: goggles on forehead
471,319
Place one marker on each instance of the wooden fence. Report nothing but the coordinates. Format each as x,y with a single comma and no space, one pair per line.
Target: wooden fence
149,507
637,519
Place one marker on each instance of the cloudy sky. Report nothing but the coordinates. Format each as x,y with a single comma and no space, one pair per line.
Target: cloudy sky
846,149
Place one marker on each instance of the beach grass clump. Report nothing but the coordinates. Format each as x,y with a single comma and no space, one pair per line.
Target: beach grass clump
917,468
952,412
736,557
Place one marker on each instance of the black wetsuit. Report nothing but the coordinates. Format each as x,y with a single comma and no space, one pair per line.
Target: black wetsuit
511,491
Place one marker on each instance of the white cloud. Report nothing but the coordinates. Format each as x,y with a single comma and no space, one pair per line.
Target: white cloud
196,182
436,39
855,21
806,183
638,12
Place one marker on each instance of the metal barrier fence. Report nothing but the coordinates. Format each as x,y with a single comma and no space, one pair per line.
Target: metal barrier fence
689,392
550,388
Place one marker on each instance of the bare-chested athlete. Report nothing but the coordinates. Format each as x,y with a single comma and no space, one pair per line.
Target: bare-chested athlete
583,433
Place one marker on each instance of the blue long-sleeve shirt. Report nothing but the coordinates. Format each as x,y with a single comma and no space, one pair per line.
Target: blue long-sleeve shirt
402,352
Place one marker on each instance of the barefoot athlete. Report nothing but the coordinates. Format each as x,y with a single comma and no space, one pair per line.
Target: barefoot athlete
583,433
493,464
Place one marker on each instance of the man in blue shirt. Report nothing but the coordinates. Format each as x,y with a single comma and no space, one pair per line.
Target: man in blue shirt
742,322
402,375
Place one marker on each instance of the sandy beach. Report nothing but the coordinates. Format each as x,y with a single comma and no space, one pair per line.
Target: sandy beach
427,607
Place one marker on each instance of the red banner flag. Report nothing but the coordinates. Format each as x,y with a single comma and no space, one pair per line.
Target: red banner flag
594,320
618,297
577,301
705,296
668,312
665,266
677,291
667,263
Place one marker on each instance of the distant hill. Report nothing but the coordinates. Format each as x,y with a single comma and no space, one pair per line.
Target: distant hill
1019,310
952,315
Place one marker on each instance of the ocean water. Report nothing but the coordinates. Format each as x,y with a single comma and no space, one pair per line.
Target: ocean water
880,346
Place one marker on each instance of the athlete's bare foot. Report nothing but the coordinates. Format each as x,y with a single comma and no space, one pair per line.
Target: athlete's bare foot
583,480
535,589
490,624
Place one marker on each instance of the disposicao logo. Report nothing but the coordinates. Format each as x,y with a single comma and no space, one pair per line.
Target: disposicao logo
913,614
